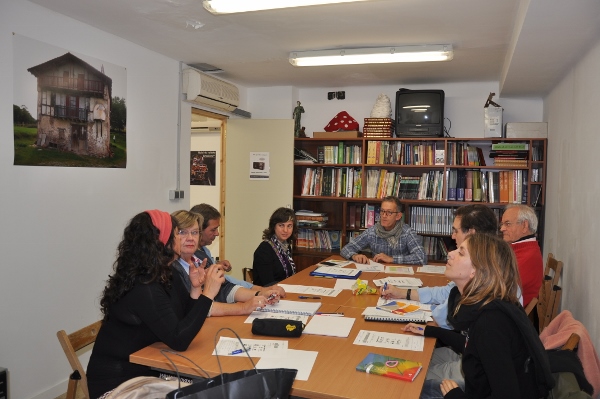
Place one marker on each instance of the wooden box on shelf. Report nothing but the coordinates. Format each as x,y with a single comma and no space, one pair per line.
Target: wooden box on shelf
337,135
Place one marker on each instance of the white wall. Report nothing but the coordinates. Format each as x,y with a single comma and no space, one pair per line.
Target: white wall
573,192
62,225
464,105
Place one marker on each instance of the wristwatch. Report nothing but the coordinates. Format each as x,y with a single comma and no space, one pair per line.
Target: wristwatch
408,294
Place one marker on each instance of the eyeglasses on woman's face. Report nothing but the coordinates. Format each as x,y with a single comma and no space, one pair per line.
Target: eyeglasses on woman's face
185,233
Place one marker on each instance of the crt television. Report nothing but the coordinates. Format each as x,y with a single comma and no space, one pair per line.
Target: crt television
420,113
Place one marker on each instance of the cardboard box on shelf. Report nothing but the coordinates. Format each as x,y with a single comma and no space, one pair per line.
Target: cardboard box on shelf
493,121
528,130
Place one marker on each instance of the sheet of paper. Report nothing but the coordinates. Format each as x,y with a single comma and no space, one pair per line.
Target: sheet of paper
345,284
371,267
310,290
432,269
399,270
280,316
303,361
390,340
408,282
255,347
330,326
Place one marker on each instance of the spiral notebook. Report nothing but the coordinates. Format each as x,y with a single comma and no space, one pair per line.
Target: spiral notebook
293,307
374,314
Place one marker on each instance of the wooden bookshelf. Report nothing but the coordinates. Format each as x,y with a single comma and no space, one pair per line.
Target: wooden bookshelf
431,213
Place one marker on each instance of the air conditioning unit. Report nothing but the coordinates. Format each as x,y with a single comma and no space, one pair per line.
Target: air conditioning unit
207,90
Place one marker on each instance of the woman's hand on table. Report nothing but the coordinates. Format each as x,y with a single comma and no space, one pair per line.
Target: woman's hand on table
415,328
270,296
392,292
254,303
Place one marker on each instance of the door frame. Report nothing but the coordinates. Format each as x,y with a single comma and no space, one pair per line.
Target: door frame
223,119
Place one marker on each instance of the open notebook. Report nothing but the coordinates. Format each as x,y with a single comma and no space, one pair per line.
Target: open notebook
293,307
374,314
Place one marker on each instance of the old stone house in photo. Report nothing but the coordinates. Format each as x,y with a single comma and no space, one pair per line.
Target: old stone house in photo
73,106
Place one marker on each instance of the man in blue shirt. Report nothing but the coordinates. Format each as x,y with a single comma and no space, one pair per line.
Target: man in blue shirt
390,240
210,231
468,219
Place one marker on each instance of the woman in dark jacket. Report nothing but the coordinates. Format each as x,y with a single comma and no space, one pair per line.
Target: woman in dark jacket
273,257
142,303
502,356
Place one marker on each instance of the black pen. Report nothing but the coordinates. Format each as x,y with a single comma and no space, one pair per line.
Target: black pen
309,297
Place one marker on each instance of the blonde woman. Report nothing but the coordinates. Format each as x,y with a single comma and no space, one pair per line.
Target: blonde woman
502,355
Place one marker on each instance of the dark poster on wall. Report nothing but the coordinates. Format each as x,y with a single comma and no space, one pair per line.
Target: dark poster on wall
202,168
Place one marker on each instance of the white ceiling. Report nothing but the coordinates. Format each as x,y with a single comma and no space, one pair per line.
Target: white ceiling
526,45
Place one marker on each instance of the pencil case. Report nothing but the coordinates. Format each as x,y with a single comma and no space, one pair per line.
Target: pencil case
277,327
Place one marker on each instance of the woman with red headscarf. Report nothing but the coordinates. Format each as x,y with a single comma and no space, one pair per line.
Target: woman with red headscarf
142,304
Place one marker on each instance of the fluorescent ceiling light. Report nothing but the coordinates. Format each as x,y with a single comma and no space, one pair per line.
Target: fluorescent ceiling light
233,6
373,55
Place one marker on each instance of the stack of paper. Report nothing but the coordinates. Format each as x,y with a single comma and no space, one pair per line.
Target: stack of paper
329,326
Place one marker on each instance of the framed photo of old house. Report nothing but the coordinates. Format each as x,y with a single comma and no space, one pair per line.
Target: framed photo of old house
69,109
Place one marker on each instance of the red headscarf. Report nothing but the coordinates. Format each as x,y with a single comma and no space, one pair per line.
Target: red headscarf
162,221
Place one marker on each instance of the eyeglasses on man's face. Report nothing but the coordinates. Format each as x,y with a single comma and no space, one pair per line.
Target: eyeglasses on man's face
185,233
508,224
384,212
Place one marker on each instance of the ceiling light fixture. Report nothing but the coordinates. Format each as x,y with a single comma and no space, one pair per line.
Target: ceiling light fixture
233,6
373,55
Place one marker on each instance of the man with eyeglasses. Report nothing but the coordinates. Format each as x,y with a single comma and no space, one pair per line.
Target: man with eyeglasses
518,228
209,231
390,240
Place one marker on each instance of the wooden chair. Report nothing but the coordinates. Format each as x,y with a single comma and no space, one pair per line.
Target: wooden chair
530,307
71,343
248,275
550,293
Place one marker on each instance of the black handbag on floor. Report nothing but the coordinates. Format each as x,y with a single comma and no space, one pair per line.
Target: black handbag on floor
245,384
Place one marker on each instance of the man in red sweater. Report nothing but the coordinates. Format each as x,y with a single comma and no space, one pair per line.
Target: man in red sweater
518,227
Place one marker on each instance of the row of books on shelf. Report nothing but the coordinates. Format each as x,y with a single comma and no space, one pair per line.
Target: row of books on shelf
431,220
382,183
463,154
339,154
318,239
332,182
505,186
307,218
537,174
435,247
362,216
405,153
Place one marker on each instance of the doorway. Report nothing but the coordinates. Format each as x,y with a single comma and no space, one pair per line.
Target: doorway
207,178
